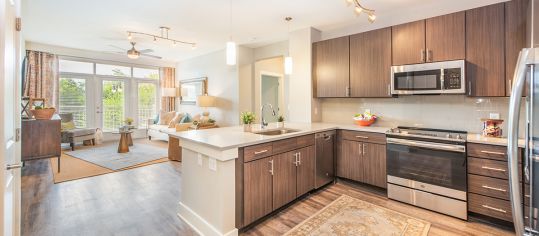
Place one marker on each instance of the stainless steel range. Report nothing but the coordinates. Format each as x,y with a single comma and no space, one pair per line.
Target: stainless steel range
427,168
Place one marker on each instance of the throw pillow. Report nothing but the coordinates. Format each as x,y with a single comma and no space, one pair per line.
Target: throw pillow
166,117
176,120
67,125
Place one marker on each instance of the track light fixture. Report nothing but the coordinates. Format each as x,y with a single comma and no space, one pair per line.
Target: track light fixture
163,36
358,9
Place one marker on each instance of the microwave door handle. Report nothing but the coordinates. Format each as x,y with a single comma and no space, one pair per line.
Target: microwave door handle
512,136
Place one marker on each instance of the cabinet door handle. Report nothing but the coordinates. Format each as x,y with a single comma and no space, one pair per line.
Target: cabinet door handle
299,157
469,88
494,208
363,137
347,91
271,167
495,153
260,152
364,147
296,155
360,151
389,90
492,169
422,55
510,87
429,55
493,188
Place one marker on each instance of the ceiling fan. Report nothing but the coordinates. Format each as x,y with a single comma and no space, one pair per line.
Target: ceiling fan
133,53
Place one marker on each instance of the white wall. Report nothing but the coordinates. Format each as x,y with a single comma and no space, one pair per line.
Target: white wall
102,56
270,51
434,111
300,95
271,66
223,83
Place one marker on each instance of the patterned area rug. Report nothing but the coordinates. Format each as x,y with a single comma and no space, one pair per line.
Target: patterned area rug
351,216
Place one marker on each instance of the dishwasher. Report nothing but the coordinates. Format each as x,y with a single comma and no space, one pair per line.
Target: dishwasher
325,149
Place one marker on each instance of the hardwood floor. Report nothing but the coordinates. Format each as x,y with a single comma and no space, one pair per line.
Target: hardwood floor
285,220
141,201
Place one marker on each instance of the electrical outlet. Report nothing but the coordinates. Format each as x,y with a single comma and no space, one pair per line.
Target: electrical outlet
212,164
199,159
494,116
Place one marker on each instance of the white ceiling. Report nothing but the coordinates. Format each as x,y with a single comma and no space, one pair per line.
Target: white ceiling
95,24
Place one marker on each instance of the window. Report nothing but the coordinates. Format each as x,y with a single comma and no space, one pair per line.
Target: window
114,70
147,105
113,104
145,73
73,99
76,67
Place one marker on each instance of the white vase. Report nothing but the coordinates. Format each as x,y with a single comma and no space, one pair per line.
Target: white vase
247,128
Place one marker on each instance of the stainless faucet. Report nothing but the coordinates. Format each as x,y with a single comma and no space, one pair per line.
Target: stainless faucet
263,122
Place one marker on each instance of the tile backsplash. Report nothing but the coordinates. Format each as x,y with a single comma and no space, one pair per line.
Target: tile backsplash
456,112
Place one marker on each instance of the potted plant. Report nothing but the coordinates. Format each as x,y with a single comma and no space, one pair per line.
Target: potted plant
280,119
247,119
128,121
42,112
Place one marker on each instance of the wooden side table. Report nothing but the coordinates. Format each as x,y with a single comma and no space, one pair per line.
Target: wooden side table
125,141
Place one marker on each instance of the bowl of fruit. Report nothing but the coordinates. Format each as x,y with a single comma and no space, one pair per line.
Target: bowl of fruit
365,119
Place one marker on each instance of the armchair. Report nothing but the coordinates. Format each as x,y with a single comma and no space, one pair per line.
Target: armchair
72,136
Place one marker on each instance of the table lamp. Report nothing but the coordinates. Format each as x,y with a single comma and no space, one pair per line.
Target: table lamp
206,101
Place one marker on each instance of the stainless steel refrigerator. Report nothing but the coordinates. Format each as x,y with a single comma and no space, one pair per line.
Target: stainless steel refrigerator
524,203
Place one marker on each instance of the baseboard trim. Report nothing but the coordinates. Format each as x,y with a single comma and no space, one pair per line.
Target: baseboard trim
200,225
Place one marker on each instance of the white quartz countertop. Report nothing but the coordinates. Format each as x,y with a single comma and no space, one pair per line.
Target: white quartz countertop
478,138
234,136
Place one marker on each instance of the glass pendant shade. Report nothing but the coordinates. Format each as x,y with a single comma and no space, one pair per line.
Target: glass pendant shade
288,65
231,53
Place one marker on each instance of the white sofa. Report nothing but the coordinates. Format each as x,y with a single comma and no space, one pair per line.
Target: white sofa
160,132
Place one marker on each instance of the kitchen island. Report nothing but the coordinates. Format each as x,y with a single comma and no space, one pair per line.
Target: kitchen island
208,196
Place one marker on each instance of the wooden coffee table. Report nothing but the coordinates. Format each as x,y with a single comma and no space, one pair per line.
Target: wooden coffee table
125,140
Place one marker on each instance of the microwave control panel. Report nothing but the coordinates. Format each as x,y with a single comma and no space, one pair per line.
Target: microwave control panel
452,78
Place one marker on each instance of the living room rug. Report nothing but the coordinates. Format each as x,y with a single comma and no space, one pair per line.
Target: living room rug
351,216
74,168
108,157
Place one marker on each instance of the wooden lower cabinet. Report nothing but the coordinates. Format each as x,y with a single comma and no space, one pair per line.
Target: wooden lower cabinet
305,176
257,184
363,162
284,179
272,182
375,164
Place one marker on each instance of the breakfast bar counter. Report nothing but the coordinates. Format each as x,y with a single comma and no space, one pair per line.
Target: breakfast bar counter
208,201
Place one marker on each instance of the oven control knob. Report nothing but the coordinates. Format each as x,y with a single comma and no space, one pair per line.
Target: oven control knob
458,136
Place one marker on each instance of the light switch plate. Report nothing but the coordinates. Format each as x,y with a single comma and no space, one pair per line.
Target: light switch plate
199,159
212,164
494,116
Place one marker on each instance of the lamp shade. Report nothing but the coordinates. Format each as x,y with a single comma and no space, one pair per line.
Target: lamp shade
206,101
168,92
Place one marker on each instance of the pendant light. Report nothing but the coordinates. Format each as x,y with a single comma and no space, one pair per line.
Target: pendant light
288,59
231,45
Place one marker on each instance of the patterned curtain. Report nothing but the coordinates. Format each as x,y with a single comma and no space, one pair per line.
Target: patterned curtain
168,80
41,77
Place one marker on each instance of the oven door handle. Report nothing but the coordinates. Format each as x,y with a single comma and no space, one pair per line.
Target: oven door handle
429,145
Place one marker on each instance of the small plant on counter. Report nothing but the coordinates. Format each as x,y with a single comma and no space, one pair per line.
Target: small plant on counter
280,118
247,117
211,121
128,121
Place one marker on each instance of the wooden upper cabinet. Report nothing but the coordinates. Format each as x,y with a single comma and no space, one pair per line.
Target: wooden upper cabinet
331,67
445,37
370,63
408,43
515,37
485,45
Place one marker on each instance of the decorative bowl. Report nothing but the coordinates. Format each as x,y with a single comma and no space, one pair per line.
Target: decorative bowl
43,114
365,122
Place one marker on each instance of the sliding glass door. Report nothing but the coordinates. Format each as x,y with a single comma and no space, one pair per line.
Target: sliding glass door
113,104
73,96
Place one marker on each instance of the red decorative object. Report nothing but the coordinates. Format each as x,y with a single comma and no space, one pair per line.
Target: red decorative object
365,122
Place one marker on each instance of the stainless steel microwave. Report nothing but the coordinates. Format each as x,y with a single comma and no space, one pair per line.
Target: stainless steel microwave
446,77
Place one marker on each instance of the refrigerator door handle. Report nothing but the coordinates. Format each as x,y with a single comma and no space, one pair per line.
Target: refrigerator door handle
519,80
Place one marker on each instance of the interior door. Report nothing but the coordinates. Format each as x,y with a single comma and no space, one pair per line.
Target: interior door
10,122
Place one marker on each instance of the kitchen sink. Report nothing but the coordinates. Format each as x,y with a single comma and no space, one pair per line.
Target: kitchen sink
277,131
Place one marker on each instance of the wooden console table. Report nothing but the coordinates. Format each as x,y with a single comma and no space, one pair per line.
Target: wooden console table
174,148
41,139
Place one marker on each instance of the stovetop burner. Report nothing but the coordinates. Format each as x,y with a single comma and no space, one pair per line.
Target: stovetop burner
442,134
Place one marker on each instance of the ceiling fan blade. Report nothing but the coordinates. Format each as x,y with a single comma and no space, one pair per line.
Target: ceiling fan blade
146,51
113,52
152,56
119,48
